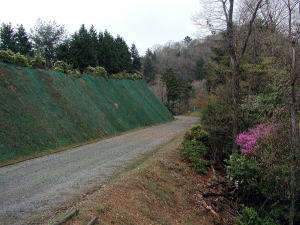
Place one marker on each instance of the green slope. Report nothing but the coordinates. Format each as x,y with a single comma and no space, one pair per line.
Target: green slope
42,110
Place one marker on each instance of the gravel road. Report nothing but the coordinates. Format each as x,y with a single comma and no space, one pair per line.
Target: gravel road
34,185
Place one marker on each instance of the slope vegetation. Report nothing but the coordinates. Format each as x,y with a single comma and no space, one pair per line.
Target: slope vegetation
42,110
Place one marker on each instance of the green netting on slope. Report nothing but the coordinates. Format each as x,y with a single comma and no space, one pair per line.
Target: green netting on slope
41,110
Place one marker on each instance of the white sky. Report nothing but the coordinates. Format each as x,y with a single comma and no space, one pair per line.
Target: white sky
144,22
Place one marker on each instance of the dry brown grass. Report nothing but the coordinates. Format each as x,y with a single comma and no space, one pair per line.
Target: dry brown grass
162,190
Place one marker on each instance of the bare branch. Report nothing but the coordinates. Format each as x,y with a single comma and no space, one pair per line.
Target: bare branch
225,9
250,26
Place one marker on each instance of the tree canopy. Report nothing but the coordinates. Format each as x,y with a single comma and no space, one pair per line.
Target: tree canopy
46,37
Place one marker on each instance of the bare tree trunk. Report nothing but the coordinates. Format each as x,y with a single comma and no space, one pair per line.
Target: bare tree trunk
294,139
294,123
235,79
235,87
235,62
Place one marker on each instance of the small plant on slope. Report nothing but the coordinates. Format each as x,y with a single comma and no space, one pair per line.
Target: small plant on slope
195,148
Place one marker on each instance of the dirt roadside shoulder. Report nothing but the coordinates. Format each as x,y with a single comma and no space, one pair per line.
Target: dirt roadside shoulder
160,190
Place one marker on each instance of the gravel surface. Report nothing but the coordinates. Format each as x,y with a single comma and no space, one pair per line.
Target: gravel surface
34,185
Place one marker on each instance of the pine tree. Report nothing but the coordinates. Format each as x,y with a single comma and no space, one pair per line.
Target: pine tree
7,38
187,40
23,44
136,59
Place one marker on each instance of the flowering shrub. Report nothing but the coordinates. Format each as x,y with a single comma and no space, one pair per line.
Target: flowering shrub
265,177
248,140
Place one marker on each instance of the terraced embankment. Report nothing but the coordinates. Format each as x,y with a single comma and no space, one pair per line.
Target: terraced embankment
42,110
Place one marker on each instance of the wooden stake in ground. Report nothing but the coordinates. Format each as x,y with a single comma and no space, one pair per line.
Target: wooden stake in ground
67,217
92,221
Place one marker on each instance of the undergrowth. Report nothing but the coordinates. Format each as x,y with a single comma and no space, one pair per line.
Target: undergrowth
195,148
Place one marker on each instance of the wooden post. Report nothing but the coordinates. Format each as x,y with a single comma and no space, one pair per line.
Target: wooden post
93,221
67,217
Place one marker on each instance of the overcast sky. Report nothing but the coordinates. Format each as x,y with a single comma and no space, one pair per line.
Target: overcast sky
144,22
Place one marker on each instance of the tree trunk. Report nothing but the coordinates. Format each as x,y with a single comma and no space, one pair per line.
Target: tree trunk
294,139
294,123
235,62
235,80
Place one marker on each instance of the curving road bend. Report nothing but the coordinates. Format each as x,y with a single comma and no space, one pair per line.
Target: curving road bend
34,185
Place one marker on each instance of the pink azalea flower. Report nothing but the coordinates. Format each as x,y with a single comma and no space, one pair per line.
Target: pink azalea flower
248,140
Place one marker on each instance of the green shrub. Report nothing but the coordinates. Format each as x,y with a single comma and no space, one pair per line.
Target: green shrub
96,71
273,157
197,133
66,68
190,148
243,171
100,71
251,217
199,165
125,75
195,148
89,70
137,76
7,56
38,62
62,66
21,60
194,152
217,121
122,75
74,73
16,59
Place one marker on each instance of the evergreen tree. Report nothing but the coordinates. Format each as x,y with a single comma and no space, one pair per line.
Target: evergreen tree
149,69
200,69
109,53
187,40
87,48
100,50
82,50
62,52
23,44
136,59
123,56
93,43
7,38
178,91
